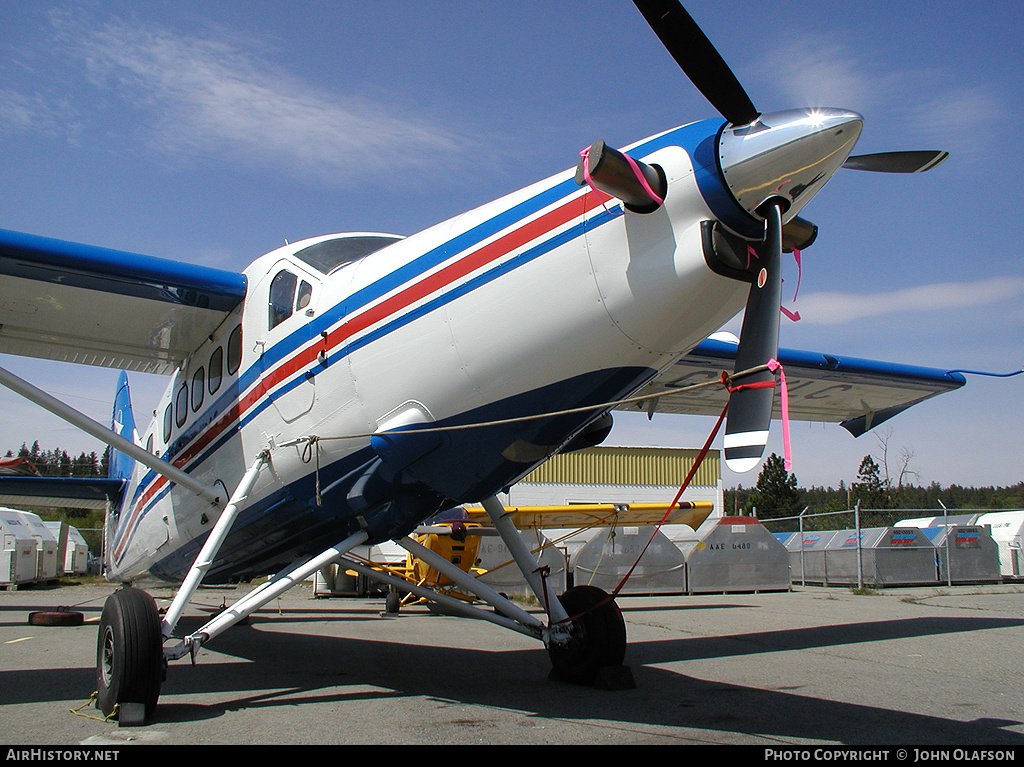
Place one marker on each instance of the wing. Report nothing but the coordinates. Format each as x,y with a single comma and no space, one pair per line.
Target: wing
858,394
692,513
78,303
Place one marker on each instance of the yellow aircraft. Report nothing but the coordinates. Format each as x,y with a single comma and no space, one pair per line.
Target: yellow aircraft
453,539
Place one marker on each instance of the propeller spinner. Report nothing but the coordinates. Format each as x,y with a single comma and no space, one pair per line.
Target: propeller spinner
773,164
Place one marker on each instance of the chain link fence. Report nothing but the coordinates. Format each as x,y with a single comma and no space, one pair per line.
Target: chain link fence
861,548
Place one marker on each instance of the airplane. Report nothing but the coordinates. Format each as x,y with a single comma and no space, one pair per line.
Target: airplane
455,535
344,389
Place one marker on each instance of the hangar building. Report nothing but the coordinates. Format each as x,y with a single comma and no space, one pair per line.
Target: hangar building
620,475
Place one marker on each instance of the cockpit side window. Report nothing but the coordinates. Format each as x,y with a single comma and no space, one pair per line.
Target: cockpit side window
305,294
282,297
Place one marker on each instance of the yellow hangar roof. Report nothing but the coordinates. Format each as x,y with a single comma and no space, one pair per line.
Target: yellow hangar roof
628,466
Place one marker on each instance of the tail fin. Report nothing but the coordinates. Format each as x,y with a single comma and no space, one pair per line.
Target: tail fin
121,466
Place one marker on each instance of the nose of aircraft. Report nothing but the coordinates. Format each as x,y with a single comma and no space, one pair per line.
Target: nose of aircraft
786,155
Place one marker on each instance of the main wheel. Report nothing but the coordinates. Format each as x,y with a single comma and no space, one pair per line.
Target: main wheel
129,653
598,640
392,602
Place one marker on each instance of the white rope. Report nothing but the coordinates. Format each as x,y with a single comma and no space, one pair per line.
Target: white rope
315,439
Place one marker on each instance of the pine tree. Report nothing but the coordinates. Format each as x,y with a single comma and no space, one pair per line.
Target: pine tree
775,494
869,488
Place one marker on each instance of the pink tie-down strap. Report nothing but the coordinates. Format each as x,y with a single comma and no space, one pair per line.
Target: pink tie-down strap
774,365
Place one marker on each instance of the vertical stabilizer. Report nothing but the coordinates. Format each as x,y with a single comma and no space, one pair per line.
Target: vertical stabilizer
121,466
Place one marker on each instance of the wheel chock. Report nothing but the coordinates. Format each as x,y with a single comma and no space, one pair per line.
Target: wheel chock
131,714
615,678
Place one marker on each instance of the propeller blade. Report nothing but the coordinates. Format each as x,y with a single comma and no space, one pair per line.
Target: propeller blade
750,409
897,162
698,59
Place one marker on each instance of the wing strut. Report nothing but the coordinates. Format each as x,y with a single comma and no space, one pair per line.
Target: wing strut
104,434
208,553
263,594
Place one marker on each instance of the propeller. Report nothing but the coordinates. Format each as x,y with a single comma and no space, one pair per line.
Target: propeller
897,162
751,400
772,164
698,59
750,406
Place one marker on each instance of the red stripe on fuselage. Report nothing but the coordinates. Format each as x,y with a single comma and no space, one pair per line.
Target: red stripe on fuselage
479,258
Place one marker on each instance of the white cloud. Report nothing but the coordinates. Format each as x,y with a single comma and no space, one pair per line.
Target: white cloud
927,103
202,95
815,71
836,308
961,119
19,112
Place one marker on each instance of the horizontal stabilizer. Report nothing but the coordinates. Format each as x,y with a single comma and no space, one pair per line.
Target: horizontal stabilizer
59,492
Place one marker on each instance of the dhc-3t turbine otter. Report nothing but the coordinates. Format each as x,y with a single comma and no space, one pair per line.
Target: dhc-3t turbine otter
345,389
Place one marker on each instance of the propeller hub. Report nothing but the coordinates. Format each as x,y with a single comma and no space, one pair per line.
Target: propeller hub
786,155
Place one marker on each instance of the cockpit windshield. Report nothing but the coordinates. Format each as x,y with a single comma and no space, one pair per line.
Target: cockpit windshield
328,255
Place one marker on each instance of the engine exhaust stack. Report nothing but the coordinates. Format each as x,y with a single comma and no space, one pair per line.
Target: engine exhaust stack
640,186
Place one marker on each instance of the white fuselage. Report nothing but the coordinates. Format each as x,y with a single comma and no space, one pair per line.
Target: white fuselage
542,299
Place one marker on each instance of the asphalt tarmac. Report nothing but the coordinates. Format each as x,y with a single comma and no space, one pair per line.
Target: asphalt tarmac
922,667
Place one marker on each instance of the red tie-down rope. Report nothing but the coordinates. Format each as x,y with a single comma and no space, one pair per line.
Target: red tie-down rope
773,366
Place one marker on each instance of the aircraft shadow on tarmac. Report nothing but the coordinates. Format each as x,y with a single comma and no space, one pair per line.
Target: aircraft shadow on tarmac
295,668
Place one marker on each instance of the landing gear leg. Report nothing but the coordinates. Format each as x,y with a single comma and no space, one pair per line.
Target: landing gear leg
129,657
597,637
588,634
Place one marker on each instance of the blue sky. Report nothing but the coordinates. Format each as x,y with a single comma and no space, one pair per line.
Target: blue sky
213,131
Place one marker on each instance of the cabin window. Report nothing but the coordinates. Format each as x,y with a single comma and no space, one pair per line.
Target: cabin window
234,350
168,423
181,406
305,294
198,387
216,370
282,297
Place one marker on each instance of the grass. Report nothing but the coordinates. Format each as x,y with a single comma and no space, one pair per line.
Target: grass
865,591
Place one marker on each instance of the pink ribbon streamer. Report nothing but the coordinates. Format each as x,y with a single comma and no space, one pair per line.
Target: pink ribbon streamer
799,272
774,365
642,179
590,182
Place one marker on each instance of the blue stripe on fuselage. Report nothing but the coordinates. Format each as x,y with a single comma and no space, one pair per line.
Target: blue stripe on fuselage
692,138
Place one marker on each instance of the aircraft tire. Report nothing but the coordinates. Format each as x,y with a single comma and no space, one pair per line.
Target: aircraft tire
600,636
392,602
129,653
56,618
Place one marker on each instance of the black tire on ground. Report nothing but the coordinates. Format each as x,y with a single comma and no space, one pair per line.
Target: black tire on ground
599,640
56,618
392,602
129,652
